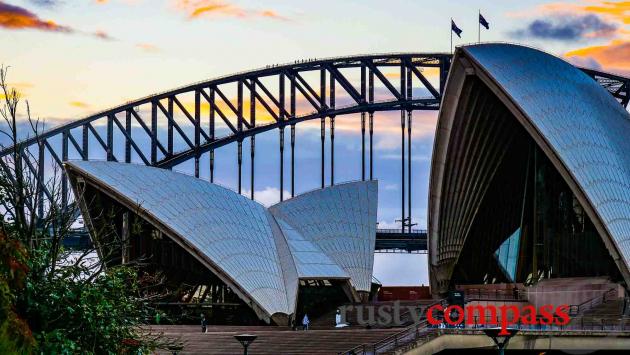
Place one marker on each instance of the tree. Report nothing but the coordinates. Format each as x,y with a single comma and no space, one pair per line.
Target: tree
69,300
15,335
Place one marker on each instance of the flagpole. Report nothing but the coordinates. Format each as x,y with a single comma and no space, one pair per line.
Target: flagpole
451,26
479,27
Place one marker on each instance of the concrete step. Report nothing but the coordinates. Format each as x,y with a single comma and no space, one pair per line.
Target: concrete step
271,340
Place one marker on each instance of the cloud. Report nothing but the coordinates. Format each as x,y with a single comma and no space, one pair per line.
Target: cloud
617,10
45,3
568,28
17,18
102,35
390,187
79,104
267,196
585,62
147,47
614,57
216,8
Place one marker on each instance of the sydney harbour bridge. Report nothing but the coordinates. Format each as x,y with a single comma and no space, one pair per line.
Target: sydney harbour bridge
187,124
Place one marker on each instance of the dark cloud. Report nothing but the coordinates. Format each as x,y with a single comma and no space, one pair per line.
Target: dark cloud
568,28
17,18
46,3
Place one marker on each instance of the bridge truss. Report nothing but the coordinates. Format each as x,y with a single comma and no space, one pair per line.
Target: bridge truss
182,125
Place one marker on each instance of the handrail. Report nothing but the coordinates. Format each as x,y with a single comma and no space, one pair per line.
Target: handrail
395,230
613,325
414,329
593,302
497,294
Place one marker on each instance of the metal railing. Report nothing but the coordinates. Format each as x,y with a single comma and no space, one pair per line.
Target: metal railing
424,332
497,294
408,334
400,231
607,324
610,294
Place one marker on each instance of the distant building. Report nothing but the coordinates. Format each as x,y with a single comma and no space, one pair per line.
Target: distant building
530,179
221,250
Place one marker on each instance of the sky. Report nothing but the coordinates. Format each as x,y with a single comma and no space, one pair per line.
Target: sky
70,58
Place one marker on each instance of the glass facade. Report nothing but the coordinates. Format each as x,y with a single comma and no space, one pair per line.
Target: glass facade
507,254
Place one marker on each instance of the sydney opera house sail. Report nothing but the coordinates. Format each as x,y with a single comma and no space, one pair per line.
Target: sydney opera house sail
199,233
530,175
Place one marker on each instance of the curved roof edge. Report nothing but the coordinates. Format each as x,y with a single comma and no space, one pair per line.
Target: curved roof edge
341,221
296,256
533,85
74,168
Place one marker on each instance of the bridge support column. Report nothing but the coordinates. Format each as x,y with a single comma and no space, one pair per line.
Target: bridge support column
252,141
170,126
322,104
363,146
212,165
128,140
292,160
110,139
371,124
323,139
153,132
211,124
371,121
282,163
403,219
40,181
293,113
409,117
332,150
64,177
240,166
86,142
363,100
332,130
403,93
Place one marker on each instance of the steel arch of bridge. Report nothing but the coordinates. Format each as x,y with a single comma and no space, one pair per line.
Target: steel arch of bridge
278,101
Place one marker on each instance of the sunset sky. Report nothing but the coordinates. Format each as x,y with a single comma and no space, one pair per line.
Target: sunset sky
70,58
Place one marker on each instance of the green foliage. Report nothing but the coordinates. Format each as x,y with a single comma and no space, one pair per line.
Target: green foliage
15,335
50,301
70,312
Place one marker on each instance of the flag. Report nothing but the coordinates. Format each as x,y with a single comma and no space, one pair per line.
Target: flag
456,29
483,22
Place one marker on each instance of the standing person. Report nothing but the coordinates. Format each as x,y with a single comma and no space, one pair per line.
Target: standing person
305,322
515,292
204,324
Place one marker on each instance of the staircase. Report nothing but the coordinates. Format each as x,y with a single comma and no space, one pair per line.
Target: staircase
270,341
327,320
608,309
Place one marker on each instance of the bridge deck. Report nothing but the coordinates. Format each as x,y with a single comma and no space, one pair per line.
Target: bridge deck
387,241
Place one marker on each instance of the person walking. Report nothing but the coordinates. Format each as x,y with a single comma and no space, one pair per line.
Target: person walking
204,324
305,322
